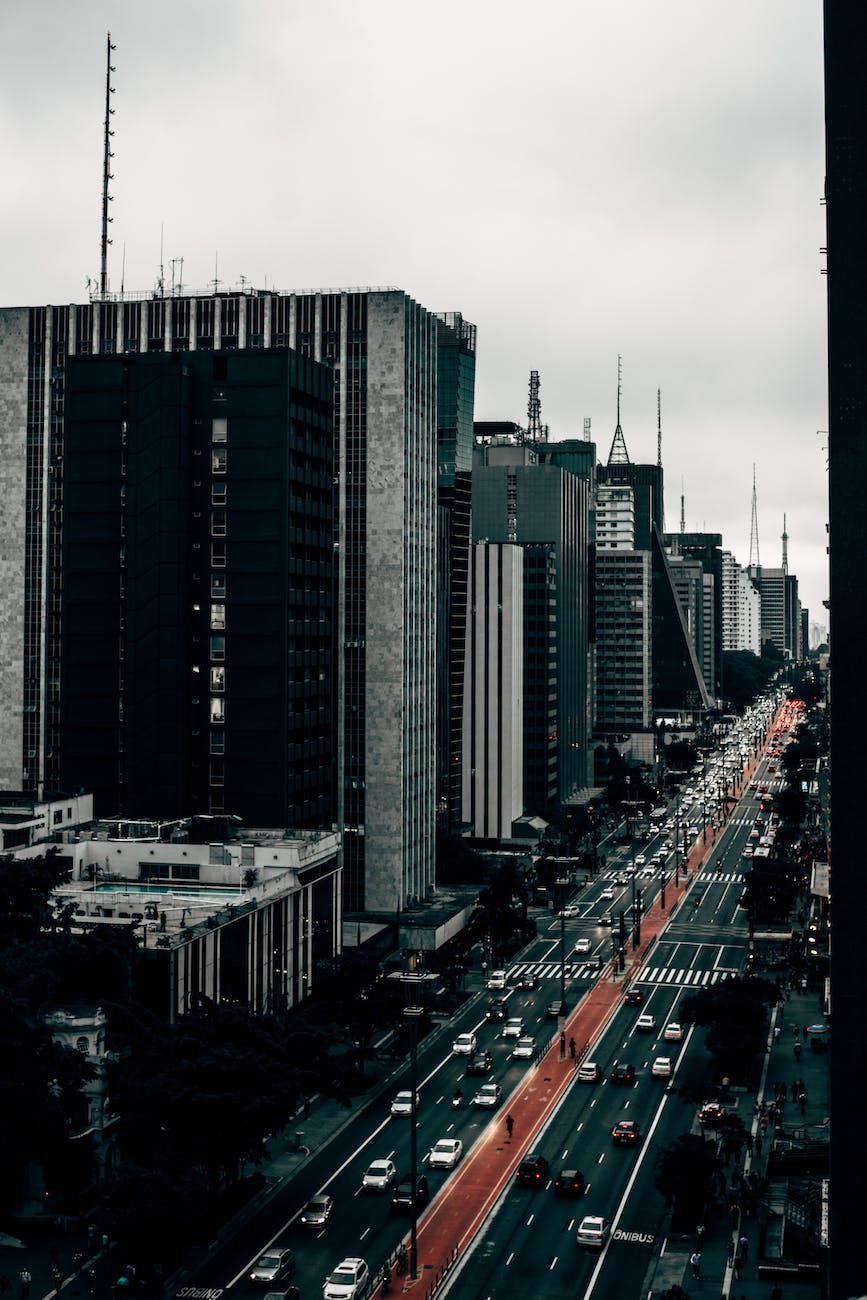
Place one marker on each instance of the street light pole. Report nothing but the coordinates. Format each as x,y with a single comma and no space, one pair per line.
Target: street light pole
561,882
414,983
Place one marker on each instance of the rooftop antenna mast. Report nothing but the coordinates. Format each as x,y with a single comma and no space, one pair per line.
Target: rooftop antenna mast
659,427
682,508
618,455
536,430
106,169
586,428
755,561
785,547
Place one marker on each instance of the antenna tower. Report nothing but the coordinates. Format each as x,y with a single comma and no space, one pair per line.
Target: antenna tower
536,430
755,561
586,428
659,427
682,509
785,547
106,169
618,455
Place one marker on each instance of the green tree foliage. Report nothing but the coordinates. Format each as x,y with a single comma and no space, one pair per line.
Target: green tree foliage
686,1173
770,889
745,676
734,1013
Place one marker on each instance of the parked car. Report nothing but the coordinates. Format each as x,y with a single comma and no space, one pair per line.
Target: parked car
480,1063
446,1153
569,1182
711,1114
348,1280
592,1232
379,1176
272,1266
402,1196
532,1171
317,1211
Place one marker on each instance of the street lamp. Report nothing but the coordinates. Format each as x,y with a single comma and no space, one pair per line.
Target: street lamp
414,983
561,883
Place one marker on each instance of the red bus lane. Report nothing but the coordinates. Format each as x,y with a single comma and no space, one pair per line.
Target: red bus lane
459,1211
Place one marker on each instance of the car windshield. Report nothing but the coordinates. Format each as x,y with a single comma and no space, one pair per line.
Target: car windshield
269,1261
342,1277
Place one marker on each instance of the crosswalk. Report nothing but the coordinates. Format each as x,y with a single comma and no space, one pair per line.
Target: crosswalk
724,878
684,976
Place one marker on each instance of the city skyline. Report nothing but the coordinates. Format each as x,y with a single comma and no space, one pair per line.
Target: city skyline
584,186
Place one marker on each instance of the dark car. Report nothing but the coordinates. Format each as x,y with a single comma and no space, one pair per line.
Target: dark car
626,1133
528,980
480,1063
569,1182
623,1073
497,1010
401,1201
532,1171
634,997
606,920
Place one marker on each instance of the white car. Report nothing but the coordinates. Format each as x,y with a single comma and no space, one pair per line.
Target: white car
446,1153
464,1045
592,1231
488,1096
497,981
570,910
589,1072
379,1176
640,859
646,1024
402,1104
582,945
513,1028
607,894
673,1032
661,1068
524,1049
348,1280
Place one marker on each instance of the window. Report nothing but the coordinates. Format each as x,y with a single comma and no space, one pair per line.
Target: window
218,710
218,584
57,817
218,555
218,523
218,645
218,741
218,494
218,617
218,679
219,460
219,428
83,1045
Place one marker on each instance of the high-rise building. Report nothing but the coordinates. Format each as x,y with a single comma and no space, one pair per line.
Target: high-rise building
624,641
520,500
741,607
381,348
780,610
706,548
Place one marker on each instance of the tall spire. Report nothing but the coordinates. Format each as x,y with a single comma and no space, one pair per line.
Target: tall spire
755,561
659,427
106,170
785,547
618,455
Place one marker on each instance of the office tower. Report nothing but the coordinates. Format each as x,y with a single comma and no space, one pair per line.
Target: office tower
456,368
646,482
695,592
706,548
196,607
624,641
381,348
517,499
493,713
780,610
741,607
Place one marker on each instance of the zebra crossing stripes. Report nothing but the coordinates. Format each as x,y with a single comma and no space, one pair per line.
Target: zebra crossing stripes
726,877
691,977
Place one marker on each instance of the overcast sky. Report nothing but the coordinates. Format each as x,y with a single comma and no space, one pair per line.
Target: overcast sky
579,179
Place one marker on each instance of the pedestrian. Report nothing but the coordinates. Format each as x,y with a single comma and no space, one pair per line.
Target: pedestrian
562,1042
510,1124
802,1101
803,984
78,1260
758,1144
695,1261
105,1243
749,1141
783,1091
795,1032
776,1091
730,1251
91,1281
764,1123
25,1279
743,1248
572,1048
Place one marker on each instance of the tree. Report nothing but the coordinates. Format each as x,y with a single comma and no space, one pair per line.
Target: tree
686,1173
745,677
734,1013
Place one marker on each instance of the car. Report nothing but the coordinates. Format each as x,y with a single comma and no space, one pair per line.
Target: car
622,1073
446,1153
569,1182
606,920
640,859
592,1232
402,1200
524,1049
317,1211
661,1068
711,1114
348,1281
379,1176
513,1028
402,1104
646,1024
647,872
570,911
528,980
556,1009
634,997
621,881
497,1010
496,981
606,895
480,1063
582,945
488,1096
673,1032
464,1045
626,1133
272,1266
532,1171
588,1072
748,851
